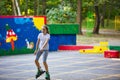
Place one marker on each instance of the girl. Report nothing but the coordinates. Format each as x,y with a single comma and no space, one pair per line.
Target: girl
42,48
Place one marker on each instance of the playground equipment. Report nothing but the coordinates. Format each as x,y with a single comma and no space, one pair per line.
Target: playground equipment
62,34
96,49
114,52
74,47
111,54
28,28
21,28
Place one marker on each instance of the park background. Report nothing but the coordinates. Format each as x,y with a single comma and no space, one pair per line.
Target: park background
84,44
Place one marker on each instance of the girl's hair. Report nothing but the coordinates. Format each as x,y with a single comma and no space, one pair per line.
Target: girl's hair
46,27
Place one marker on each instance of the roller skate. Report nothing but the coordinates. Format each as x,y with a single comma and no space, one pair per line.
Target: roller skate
39,73
47,76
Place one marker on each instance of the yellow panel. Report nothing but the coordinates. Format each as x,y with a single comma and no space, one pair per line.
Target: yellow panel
103,43
96,49
38,22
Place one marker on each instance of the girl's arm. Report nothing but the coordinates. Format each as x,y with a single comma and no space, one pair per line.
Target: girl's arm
45,43
37,44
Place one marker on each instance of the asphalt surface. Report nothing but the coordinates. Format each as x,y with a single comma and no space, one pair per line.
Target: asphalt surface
63,65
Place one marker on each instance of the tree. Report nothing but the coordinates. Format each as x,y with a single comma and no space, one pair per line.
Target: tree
113,7
97,21
18,8
38,8
102,14
43,7
26,7
62,14
6,7
14,7
97,13
35,7
79,15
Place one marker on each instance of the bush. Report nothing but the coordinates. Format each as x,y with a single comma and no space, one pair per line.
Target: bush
62,14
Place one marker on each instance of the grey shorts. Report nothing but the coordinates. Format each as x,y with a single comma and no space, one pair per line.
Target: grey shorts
44,54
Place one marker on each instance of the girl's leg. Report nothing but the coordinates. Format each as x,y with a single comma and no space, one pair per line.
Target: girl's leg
40,71
37,64
45,55
38,54
46,66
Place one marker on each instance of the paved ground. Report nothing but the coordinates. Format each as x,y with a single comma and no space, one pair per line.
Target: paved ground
63,66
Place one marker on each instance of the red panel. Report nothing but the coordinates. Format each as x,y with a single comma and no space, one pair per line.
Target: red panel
45,20
111,54
73,47
21,16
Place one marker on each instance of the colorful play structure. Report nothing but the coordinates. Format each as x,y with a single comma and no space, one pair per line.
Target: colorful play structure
14,30
18,35
96,49
104,48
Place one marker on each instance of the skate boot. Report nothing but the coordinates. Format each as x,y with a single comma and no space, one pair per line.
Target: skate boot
47,76
40,72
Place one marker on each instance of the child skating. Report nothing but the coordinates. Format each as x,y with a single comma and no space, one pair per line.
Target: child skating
42,47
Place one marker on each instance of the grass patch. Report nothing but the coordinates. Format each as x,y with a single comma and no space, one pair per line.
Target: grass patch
16,51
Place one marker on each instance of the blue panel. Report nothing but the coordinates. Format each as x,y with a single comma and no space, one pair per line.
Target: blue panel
56,40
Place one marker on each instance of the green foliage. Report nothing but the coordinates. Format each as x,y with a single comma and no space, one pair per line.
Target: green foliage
29,5
52,3
5,7
62,14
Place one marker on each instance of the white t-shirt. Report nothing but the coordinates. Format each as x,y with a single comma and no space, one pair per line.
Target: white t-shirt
43,38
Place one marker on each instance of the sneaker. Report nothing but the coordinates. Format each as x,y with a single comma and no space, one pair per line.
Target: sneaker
47,76
39,73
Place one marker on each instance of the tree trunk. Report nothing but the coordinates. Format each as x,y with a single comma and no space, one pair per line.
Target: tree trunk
26,7
43,7
97,21
103,15
38,9
14,8
108,16
79,15
18,8
102,20
35,7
